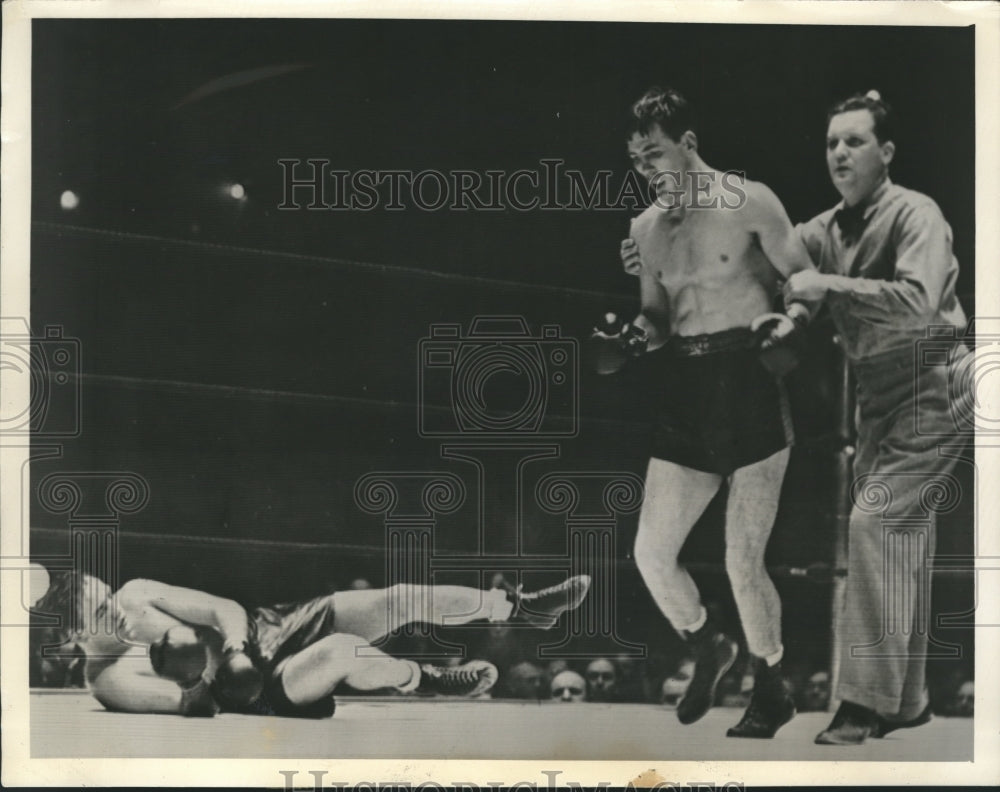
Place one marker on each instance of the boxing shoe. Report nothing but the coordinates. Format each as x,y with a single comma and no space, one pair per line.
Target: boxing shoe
851,725
883,727
543,608
714,654
770,705
469,679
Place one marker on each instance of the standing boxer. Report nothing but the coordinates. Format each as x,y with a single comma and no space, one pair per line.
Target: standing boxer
887,272
207,653
709,254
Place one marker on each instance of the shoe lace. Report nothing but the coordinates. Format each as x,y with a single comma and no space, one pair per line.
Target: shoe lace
458,677
560,588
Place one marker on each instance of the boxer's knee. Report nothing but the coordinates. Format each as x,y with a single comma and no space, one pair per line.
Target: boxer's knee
652,545
655,559
339,649
745,563
643,552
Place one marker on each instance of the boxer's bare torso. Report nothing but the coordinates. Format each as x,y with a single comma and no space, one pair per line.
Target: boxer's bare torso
138,624
141,612
703,269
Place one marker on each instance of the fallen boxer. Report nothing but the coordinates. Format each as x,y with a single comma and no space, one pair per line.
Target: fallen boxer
168,649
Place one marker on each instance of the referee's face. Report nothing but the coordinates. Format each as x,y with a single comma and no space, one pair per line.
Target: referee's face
854,156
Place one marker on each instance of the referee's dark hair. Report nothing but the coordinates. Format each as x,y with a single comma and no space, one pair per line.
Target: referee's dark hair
874,104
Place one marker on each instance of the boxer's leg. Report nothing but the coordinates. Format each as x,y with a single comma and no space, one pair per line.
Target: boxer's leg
374,613
675,498
314,673
752,506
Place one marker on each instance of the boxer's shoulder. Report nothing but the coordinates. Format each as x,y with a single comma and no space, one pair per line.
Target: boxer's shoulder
138,591
642,223
760,200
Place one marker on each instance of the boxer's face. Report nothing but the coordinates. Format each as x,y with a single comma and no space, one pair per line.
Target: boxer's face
660,160
95,601
856,160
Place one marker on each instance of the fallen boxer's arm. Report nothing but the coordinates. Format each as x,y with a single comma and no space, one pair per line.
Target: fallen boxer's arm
125,686
193,607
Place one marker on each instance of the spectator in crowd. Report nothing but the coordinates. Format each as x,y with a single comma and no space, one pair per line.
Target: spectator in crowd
960,702
552,670
602,680
735,688
965,700
815,693
568,686
524,680
633,679
63,670
676,685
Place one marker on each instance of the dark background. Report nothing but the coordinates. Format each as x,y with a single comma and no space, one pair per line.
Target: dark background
252,364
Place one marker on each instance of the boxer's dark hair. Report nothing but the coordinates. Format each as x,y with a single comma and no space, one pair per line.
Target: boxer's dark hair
874,104
63,599
665,107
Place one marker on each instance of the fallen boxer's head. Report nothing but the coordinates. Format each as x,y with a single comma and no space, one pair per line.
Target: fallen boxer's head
79,602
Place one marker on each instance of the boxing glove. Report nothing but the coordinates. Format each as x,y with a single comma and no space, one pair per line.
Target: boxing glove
780,340
181,655
237,680
613,342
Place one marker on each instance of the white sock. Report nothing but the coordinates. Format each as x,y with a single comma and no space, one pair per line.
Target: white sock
414,682
697,624
773,659
498,606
